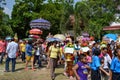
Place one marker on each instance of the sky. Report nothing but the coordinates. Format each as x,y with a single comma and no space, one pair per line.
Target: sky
9,6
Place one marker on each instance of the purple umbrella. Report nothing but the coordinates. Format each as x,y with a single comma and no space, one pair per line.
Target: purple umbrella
40,23
85,34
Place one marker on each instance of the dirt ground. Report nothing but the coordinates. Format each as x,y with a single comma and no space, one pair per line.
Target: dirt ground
38,74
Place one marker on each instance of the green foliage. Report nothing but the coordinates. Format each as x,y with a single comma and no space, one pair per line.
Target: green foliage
95,15
5,28
23,12
26,10
52,12
90,15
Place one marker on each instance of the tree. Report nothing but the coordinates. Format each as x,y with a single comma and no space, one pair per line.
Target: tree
95,15
23,12
5,28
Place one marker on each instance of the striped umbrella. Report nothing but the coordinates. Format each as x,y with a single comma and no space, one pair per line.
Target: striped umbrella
40,23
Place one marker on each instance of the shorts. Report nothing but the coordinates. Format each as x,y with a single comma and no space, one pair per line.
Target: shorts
30,58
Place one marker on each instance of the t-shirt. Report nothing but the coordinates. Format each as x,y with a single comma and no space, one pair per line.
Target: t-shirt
115,65
12,49
95,63
2,46
28,50
82,71
22,47
38,51
54,51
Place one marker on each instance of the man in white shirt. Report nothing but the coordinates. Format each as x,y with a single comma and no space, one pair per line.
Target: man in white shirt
11,51
106,64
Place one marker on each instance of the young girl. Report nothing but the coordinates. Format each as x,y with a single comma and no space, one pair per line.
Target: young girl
81,68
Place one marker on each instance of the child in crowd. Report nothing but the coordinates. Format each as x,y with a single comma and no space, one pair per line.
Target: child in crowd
81,68
96,66
88,57
115,67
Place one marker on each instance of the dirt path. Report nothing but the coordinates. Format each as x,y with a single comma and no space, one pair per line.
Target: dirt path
38,74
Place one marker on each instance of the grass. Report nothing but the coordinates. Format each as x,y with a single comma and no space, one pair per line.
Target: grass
38,74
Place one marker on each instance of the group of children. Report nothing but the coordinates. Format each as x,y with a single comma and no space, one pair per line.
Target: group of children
101,67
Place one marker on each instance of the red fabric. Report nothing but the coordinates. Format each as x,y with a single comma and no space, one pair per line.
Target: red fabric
2,46
35,31
112,27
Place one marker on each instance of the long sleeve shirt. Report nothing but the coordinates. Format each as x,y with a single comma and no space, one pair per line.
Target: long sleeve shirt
12,49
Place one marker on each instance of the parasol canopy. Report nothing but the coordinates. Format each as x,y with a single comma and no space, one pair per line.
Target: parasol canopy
60,36
35,31
40,23
111,36
28,39
34,36
52,39
8,38
85,34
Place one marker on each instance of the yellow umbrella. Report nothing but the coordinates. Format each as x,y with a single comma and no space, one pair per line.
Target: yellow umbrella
60,36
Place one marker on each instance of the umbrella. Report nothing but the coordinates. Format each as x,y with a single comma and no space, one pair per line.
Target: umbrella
60,36
28,39
35,31
85,39
52,39
40,23
34,36
85,34
111,36
8,38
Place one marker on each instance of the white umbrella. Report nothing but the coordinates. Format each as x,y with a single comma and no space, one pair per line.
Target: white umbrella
60,36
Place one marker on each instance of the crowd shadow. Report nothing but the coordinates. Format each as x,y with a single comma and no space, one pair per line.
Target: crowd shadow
57,74
19,69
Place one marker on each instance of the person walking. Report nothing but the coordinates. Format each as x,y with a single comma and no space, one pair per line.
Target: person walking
69,55
12,49
29,51
37,55
53,53
22,50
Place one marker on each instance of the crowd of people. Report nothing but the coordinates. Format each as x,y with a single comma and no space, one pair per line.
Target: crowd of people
82,59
